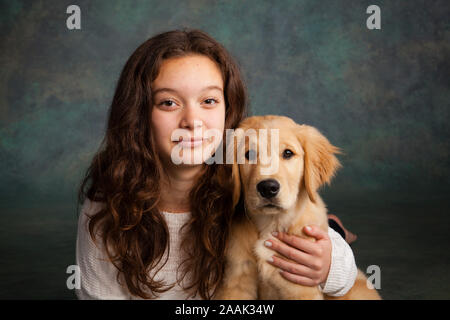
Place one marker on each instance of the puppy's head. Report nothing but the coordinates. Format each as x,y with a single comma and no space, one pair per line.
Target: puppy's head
275,160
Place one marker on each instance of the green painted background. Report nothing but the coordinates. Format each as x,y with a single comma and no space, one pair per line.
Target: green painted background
380,95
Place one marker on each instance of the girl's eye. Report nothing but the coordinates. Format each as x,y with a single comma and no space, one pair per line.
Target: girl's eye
210,101
168,103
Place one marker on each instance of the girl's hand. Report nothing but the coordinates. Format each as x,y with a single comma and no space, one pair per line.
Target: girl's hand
312,259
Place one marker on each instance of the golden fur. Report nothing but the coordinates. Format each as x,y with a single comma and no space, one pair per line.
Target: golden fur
248,275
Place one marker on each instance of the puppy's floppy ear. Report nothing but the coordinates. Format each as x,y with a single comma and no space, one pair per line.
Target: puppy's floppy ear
320,162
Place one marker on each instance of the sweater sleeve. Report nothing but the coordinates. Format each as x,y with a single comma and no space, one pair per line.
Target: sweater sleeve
342,274
98,275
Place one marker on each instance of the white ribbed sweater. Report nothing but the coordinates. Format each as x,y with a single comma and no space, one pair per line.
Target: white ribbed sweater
98,274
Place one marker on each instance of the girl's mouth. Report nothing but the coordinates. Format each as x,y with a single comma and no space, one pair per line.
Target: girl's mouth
190,143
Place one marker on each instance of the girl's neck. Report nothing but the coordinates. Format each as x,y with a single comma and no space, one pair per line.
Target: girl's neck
175,188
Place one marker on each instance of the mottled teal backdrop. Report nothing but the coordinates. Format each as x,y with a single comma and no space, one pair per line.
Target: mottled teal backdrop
380,95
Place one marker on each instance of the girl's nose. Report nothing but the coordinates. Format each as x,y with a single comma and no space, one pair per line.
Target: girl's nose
190,119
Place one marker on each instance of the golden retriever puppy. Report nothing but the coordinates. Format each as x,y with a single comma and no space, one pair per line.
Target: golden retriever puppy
278,180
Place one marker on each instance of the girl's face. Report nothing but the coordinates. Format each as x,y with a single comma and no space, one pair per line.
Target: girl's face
188,114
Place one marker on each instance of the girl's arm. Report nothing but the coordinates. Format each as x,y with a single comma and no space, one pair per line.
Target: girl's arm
98,274
328,262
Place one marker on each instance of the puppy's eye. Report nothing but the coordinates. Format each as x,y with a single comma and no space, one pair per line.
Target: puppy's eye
287,154
250,155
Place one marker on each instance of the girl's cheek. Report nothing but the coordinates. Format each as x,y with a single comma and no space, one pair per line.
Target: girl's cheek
218,118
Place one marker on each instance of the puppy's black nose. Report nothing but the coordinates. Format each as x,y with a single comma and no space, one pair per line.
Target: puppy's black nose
268,188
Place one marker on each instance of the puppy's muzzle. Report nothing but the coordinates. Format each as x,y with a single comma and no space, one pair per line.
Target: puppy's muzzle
268,188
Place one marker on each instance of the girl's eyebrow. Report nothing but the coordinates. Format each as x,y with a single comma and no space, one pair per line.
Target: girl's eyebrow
213,87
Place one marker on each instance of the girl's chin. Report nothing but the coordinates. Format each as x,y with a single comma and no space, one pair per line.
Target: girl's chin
189,158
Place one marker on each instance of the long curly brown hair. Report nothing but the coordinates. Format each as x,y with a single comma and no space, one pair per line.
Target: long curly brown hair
125,175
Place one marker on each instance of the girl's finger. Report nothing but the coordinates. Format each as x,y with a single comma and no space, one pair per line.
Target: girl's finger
296,242
294,268
290,252
304,281
315,232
